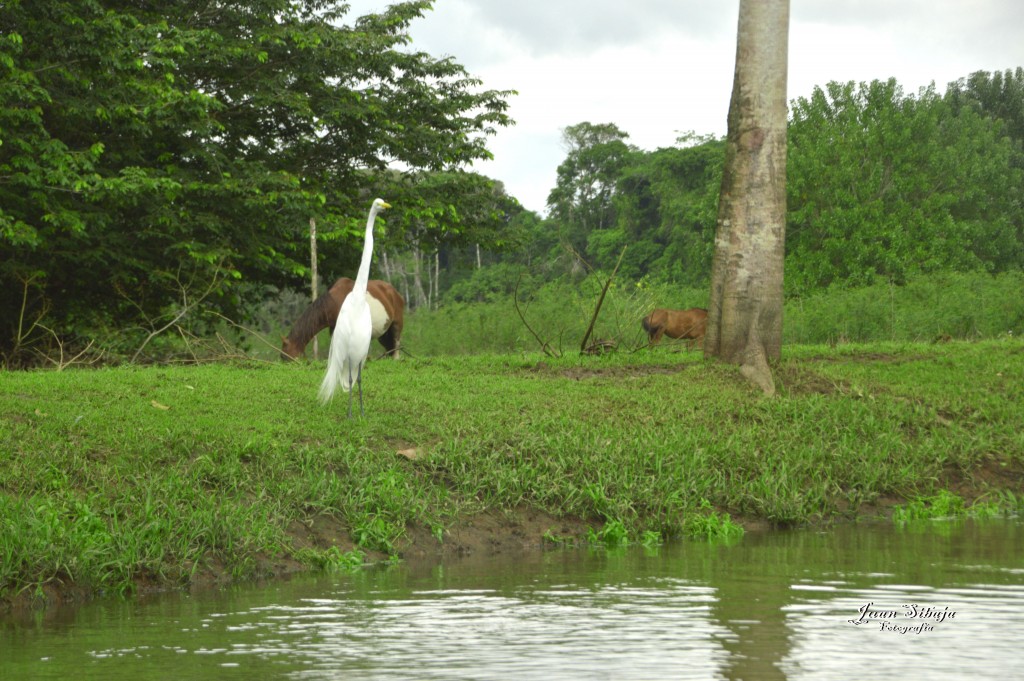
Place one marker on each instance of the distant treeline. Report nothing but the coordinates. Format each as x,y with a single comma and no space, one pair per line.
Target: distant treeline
882,185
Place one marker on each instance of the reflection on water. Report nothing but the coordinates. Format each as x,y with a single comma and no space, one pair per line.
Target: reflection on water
869,602
454,633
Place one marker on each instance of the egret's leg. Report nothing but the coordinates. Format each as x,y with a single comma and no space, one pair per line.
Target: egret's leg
350,390
359,380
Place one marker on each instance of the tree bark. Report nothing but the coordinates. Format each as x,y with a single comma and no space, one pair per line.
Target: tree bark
314,282
745,308
417,278
437,279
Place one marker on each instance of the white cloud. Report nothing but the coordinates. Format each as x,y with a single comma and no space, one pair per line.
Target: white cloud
657,68
546,27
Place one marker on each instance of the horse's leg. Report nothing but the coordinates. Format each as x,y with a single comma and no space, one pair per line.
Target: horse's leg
387,339
396,336
390,340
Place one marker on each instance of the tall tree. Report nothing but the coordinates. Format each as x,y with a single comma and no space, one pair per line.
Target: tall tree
150,147
745,309
884,184
581,201
999,95
665,208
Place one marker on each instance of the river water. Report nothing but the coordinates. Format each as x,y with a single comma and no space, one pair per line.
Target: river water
934,600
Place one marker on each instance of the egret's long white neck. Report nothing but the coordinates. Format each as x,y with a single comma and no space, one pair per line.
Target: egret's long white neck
363,275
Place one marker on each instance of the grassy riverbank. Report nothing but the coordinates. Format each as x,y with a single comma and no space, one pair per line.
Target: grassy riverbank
120,477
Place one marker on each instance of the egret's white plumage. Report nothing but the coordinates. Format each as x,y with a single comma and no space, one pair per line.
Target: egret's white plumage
350,342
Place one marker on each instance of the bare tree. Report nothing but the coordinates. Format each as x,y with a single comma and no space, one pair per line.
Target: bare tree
437,279
745,308
314,281
421,300
191,300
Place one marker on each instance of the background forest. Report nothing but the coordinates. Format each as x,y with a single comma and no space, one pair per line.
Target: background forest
160,167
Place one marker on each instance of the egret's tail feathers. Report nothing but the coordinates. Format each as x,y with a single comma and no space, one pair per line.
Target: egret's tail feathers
337,375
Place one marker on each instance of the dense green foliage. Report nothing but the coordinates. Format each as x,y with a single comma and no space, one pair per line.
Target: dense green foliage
885,185
155,154
118,474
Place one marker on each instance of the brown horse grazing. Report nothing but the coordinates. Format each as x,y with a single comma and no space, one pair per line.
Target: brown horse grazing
689,324
387,308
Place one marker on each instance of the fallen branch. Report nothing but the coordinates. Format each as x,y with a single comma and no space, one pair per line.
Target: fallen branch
275,348
60,363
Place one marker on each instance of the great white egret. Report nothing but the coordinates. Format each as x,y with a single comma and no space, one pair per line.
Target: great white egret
350,342
387,310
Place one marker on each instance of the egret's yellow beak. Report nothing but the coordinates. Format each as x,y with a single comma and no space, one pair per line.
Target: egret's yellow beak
385,204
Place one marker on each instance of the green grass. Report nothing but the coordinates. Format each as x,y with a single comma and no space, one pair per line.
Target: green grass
116,475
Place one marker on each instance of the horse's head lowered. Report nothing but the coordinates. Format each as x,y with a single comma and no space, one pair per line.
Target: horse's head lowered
291,350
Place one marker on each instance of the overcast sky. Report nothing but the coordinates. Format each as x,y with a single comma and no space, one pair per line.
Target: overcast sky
659,68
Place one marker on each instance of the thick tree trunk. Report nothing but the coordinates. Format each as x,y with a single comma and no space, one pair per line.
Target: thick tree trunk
745,309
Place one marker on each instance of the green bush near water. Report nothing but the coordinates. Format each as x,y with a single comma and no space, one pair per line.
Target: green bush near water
116,475
946,505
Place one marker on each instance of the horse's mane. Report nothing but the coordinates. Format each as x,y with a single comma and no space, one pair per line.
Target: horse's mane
314,318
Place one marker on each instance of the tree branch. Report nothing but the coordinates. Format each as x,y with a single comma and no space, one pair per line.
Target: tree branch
600,301
186,308
544,345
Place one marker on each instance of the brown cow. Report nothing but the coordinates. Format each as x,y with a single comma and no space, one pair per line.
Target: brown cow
686,324
387,309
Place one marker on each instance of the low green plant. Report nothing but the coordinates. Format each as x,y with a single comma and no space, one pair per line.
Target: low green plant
651,538
710,525
554,316
945,505
332,559
612,534
1009,503
918,509
550,537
